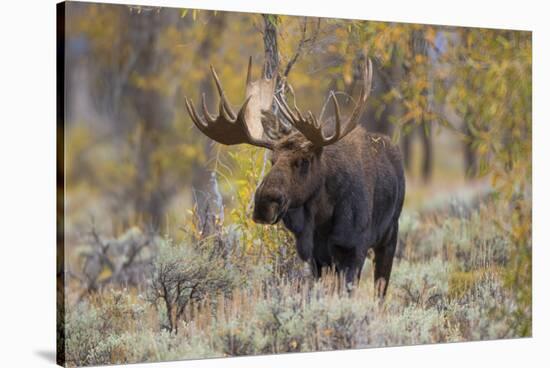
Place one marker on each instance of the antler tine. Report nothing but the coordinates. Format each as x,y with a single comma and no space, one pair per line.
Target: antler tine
337,128
209,118
193,114
217,80
353,120
228,127
312,120
240,117
241,122
226,114
298,112
221,92
249,71
368,84
285,109
308,126
312,128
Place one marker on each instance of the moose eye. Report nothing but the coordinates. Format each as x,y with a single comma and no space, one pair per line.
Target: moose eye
303,165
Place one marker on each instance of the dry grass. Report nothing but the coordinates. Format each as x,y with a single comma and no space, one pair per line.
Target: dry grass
447,286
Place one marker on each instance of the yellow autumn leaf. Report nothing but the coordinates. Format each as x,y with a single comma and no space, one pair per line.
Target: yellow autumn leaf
104,274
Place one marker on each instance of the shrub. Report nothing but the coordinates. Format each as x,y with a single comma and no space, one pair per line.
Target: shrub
452,288
95,327
183,274
421,284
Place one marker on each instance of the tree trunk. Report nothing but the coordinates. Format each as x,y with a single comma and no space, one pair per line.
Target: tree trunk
427,142
420,47
470,158
271,64
151,115
406,143
202,196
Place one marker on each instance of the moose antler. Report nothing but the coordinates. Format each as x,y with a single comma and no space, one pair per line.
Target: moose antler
312,129
243,127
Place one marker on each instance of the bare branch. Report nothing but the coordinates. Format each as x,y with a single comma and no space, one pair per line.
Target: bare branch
302,44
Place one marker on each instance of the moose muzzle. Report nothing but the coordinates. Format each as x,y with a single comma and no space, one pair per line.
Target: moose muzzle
267,212
270,203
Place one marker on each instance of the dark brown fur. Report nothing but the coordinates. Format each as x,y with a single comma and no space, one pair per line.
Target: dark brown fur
338,201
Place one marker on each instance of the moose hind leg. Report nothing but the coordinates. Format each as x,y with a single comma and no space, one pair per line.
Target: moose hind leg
383,261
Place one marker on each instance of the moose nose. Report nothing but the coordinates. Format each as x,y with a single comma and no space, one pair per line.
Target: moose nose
268,208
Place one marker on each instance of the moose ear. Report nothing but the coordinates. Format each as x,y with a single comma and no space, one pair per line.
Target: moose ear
313,150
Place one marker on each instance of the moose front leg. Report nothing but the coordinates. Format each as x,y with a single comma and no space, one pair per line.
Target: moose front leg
348,262
300,222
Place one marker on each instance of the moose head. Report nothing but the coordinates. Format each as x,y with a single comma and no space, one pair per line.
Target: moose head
297,165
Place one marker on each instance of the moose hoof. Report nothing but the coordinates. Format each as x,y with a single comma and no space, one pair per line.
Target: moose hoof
380,287
308,270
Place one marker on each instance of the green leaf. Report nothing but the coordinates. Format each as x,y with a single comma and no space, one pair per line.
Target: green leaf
273,19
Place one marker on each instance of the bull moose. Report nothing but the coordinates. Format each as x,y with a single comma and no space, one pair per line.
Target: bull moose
339,189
